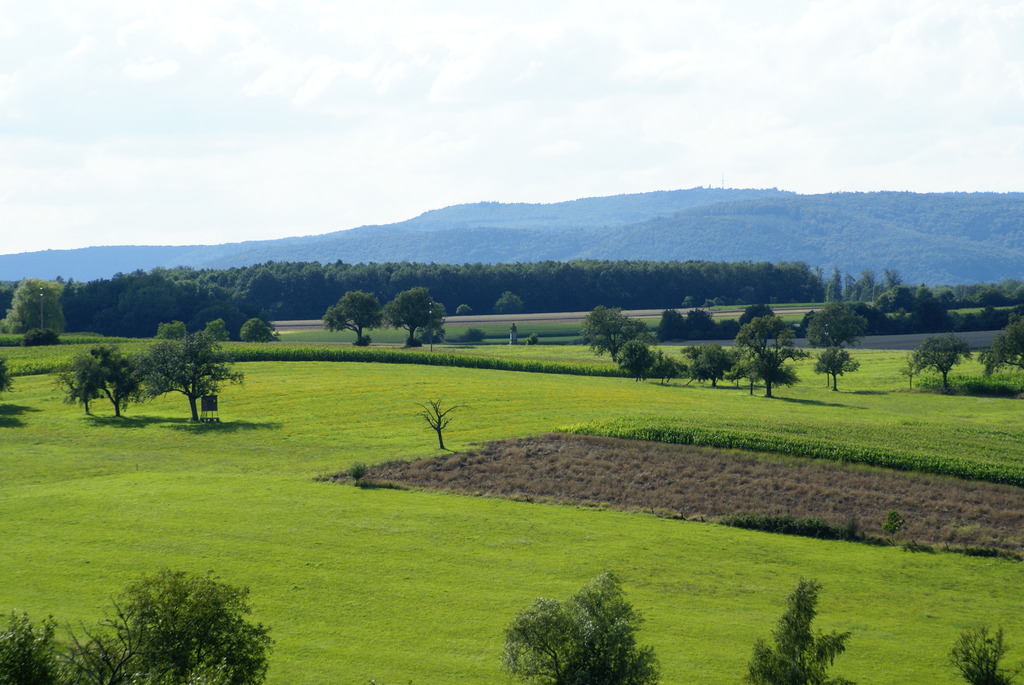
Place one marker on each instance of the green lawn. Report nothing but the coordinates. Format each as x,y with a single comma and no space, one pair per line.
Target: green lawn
414,586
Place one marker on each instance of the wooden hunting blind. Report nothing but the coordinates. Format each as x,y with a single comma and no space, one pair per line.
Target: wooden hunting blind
208,406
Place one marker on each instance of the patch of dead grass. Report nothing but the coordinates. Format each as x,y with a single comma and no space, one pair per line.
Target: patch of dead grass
694,482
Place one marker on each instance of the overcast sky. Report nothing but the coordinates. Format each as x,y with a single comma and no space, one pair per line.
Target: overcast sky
211,121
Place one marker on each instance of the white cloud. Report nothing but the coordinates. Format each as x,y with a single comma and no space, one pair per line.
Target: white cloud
263,118
151,69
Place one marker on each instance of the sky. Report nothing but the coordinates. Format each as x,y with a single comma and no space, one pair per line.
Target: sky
210,121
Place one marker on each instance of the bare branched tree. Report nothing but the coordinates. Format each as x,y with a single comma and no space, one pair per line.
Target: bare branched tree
437,417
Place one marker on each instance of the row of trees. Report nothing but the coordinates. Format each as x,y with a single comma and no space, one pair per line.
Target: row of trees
171,628
590,639
414,310
764,346
194,366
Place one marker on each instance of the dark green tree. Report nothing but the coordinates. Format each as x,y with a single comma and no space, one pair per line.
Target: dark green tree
835,325
508,303
755,311
699,324
28,652
708,362
672,326
415,309
766,344
171,627
976,656
356,311
666,368
607,330
589,639
797,655
835,361
637,359
257,330
941,353
194,366
1007,347
5,376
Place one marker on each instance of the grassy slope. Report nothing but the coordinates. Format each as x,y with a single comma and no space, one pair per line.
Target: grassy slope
398,585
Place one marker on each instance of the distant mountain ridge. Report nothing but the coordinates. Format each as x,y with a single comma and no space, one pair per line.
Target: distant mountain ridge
933,238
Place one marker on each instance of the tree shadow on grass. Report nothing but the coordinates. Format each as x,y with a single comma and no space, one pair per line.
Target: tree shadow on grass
817,403
9,415
181,424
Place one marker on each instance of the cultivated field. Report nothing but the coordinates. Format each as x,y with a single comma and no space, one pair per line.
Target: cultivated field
399,586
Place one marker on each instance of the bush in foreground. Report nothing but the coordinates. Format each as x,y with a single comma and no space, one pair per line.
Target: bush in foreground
589,639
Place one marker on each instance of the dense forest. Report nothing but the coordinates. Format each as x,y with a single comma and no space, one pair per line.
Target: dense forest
134,304
932,238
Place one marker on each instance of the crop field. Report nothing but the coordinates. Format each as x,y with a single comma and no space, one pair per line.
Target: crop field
416,586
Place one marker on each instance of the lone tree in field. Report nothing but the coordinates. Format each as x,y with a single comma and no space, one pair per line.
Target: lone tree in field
35,305
175,627
835,361
976,656
412,310
796,654
765,343
194,366
257,330
589,639
708,362
1007,347
102,372
437,417
607,330
356,311
941,353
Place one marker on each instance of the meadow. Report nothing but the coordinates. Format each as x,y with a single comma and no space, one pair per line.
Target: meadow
414,586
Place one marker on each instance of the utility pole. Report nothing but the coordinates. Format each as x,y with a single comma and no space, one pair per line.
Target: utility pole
42,295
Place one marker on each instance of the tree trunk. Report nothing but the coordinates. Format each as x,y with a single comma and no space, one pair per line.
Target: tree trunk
440,440
767,389
192,406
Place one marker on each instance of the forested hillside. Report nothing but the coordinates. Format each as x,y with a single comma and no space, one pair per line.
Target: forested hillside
938,238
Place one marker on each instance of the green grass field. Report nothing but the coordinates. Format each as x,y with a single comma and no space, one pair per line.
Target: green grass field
404,586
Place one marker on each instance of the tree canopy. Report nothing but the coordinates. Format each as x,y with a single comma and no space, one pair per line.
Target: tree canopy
835,325
1007,348
194,366
766,344
941,353
415,309
35,305
355,311
607,330
589,639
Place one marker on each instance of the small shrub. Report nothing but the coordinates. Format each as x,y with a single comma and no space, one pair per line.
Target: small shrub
357,471
893,522
533,339
362,342
472,335
463,310
37,337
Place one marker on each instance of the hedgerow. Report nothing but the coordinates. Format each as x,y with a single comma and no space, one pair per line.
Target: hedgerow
660,430
996,385
283,353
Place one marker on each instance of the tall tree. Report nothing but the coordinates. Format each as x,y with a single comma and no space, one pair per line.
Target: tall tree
637,359
5,376
415,309
797,655
355,311
766,342
941,353
835,325
194,366
35,304
607,330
